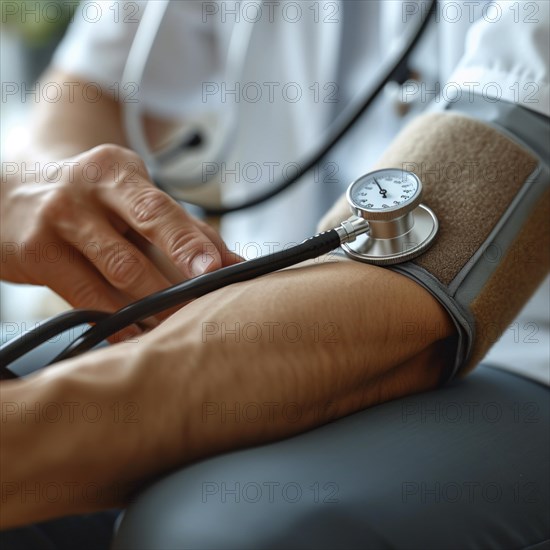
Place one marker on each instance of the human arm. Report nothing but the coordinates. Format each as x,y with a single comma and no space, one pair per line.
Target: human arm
391,337
334,339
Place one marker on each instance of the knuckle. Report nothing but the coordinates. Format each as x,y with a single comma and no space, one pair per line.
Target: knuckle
124,165
56,205
122,268
107,153
150,205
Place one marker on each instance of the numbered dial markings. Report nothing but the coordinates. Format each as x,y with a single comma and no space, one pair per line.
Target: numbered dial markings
383,190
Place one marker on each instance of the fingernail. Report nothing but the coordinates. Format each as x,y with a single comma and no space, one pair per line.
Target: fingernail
200,264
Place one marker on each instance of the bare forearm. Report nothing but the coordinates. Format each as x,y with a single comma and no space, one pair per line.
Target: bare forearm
250,363
80,118
280,354
83,116
81,436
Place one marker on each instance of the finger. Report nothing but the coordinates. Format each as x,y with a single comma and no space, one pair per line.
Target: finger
81,286
103,257
164,223
120,262
228,257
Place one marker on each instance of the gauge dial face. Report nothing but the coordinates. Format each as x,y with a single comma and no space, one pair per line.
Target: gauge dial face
389,189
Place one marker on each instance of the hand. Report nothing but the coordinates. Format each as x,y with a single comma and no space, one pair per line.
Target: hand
84,230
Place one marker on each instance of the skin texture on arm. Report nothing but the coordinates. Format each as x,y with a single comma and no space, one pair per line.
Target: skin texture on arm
72,125
306,345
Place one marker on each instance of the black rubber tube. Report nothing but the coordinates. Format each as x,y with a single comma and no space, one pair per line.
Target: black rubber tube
109,324
340,130
23,343
199,286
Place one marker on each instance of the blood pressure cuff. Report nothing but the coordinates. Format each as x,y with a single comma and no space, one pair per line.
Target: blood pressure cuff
490,192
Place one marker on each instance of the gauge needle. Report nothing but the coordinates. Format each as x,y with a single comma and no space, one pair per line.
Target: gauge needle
383,192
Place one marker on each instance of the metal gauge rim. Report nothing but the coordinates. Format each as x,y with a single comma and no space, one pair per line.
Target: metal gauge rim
392,212
394,251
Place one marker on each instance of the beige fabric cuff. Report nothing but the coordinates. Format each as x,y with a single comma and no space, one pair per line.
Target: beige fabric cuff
492,200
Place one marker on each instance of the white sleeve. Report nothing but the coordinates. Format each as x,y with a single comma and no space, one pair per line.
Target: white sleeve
507,55
185,53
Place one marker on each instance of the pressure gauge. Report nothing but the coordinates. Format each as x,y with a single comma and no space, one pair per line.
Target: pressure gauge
400,228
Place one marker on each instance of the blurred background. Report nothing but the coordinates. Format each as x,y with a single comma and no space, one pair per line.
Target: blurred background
26,47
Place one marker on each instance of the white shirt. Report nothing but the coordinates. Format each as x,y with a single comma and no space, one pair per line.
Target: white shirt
507,44
299,73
